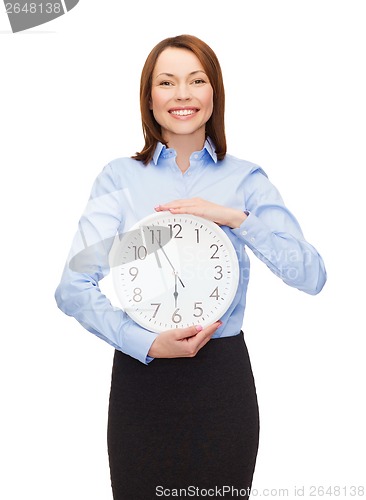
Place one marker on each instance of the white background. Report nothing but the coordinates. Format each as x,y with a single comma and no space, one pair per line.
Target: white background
295,82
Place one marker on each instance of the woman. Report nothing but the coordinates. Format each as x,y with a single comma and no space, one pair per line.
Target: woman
183,411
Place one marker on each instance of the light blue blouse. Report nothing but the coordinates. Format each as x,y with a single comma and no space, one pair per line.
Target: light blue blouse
126,191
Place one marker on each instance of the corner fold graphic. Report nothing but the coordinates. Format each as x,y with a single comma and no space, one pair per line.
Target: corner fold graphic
24,14
70,4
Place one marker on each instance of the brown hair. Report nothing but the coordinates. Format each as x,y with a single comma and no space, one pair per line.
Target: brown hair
215,127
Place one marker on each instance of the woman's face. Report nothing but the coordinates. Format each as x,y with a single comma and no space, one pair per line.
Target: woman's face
181,95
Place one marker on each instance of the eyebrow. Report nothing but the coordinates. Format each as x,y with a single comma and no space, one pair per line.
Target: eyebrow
190,74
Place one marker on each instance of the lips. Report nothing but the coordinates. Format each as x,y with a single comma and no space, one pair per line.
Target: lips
183,111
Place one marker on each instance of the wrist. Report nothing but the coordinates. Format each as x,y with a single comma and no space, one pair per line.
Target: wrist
152,351
238,217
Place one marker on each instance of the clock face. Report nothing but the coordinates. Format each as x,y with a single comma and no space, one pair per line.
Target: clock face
173,271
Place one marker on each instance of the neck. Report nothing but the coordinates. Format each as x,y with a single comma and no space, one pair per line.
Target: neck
185,145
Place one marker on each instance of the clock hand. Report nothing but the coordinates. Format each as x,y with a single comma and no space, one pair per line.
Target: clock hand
176,289
181,282
171,265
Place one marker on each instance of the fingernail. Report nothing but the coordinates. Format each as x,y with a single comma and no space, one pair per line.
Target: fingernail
157,208
220,323
199,328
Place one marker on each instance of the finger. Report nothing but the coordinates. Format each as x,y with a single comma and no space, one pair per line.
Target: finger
191,331
187,208
182,208
172,203
197,341
205,335
195,210
177,204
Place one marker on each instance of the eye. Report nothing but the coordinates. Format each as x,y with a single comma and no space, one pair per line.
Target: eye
198,81
165,84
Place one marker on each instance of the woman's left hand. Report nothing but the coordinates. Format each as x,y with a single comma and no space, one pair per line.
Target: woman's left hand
223,216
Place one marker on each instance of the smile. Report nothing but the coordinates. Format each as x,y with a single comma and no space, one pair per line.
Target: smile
183,112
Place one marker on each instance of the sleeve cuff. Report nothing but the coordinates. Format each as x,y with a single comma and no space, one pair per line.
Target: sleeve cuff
137,342
252,231
247,228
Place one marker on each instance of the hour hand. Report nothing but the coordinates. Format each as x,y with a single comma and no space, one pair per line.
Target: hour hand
176,289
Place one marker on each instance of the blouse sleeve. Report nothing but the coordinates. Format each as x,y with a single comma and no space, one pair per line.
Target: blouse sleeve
78,293
273,234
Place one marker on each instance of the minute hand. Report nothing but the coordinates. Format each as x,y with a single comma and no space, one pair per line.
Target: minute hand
167,258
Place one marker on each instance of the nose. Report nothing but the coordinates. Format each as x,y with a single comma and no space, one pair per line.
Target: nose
182,93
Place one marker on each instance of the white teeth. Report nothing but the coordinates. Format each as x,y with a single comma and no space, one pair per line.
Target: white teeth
183,112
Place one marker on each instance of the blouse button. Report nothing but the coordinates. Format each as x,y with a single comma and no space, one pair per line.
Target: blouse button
244,233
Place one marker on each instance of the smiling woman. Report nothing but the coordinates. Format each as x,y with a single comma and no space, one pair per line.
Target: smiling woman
183,406
182,75
181,101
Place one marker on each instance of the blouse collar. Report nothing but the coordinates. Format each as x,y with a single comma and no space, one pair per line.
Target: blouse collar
162,150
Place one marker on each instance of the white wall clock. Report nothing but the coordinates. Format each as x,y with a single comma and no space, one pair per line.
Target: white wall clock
173,271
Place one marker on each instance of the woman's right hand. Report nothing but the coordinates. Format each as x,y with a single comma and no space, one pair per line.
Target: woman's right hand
182,342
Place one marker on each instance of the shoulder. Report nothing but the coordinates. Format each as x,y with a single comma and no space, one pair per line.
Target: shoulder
123,164
114,174
243,167
122,167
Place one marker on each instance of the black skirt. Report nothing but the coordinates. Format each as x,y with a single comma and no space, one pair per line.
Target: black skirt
184,424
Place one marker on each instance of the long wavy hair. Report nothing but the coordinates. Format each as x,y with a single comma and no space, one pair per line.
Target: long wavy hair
215,127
